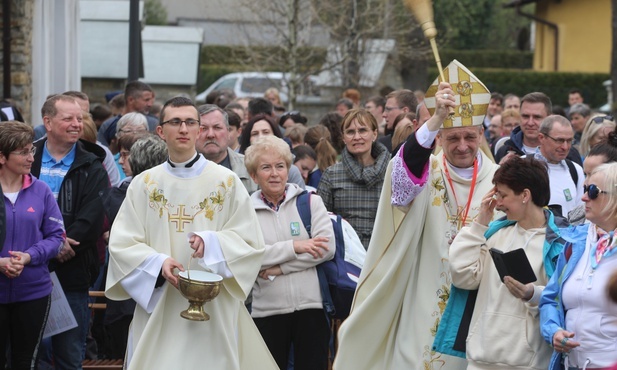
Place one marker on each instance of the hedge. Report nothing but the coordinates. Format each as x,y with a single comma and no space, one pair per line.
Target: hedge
555,84
504,71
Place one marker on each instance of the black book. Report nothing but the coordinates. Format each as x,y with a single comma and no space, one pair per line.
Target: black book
514,264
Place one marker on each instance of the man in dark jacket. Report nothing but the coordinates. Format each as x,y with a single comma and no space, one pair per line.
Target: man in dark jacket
535,107
74,171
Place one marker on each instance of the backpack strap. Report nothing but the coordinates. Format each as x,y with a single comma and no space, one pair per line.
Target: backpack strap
337,226
573,172
303,203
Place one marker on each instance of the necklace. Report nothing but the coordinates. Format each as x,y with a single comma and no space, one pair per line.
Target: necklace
458,222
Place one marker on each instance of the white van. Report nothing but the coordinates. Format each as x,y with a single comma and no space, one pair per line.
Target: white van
254,84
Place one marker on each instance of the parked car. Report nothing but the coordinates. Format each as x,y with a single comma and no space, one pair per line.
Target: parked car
254,84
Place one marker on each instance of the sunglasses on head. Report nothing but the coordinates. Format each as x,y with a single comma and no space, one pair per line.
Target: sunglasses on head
593,191
291,113
601,119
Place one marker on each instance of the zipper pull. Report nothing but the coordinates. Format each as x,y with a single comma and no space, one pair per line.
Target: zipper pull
590,279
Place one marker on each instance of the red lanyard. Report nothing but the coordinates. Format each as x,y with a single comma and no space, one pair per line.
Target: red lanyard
473,186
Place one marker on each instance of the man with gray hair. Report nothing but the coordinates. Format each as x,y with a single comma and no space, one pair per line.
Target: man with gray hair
566,177
213,143
130,123
579,114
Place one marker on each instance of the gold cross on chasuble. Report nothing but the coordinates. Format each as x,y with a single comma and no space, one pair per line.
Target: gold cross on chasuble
458,218
180,218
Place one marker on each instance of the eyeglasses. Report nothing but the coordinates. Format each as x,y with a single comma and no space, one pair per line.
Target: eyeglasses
390,109
363,132
601,119
291,113
26,152
593,191
124,154
560,141
177,122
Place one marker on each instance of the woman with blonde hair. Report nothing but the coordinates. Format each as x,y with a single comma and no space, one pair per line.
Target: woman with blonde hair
296,134
88,133
596,131
403,127
578,319
287,302
318,138
273,95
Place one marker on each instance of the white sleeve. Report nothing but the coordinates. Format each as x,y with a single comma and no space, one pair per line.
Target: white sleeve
213,258
139,284
425,137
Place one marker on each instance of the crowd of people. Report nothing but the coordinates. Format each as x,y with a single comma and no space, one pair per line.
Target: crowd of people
121,197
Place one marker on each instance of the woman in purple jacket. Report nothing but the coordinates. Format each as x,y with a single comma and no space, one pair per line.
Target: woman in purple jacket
34,235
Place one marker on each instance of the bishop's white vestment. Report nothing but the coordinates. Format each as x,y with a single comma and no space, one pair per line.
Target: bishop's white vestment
405,282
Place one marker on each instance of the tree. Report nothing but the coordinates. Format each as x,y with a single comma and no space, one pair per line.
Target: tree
155,13
348,24
477,24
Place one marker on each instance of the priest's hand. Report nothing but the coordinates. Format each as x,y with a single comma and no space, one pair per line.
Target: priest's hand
169,265
518,289
197,244
444,100
487,207
315,246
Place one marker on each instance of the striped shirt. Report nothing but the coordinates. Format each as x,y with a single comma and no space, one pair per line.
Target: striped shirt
53,172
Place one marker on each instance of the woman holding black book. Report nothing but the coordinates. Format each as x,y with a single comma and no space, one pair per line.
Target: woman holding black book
504,329
578,319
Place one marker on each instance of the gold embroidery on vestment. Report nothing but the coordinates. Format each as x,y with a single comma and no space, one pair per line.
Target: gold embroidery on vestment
212,204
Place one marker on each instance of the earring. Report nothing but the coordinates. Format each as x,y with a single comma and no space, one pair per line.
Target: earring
523,202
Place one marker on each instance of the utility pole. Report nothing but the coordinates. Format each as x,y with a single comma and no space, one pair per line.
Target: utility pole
134,41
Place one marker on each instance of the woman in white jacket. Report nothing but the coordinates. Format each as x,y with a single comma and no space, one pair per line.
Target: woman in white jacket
287,301
504,331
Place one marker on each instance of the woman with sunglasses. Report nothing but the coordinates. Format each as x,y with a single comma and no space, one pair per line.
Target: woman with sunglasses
595,132
34,235
577,317
602,153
